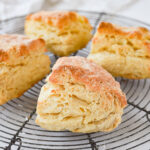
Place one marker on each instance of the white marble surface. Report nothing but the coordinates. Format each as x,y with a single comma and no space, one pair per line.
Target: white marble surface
138,9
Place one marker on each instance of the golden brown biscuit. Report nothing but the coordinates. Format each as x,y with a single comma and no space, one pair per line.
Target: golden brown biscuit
64,32
80,96
123,51
22,64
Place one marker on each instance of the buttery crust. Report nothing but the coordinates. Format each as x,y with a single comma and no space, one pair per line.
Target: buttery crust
80,96
128,46
14,46
64,32
55,18
87,73
132,32
22,64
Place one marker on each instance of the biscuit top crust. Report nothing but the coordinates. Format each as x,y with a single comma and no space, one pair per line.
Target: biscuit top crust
88,73
131,32
57,18
18,45
136,38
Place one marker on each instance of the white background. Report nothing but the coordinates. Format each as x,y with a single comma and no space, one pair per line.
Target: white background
138,9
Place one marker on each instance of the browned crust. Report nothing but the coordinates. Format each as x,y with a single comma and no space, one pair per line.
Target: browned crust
131,32
90,74
139,33
56,18
18,45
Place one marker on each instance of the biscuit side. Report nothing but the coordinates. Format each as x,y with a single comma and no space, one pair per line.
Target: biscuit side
73,107
16,79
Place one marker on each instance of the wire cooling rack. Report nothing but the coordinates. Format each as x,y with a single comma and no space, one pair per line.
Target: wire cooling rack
18,130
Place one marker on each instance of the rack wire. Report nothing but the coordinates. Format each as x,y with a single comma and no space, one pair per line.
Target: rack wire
18,130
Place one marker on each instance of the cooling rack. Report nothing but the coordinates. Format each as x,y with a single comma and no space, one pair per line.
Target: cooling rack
18,130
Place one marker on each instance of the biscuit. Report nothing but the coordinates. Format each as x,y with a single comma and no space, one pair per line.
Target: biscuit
122,51
80,96
22,64
64,32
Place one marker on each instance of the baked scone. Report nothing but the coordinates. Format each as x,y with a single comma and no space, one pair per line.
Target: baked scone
64,32
122,51
22,64
80,96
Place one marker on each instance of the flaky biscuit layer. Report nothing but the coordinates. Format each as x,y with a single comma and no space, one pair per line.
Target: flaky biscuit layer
22,64
64,32
128,46
80,96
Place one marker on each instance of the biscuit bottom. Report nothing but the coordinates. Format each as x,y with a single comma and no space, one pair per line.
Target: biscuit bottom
16,79
73,107
128,67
